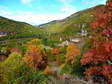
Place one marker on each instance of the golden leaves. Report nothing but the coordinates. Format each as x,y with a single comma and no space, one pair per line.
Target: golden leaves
48,70
35,55
72,52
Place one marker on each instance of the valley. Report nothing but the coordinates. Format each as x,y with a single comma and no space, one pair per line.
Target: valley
74,50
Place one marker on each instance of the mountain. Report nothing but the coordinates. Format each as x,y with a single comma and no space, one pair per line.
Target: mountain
16,29
73,23
8,25
65,28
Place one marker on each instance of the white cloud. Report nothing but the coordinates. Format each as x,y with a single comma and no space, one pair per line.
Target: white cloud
32,18
3,7
28,2
93,2
66,1
37,18
4,11
68,9
89,2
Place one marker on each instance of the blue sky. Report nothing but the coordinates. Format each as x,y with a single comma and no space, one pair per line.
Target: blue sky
41,11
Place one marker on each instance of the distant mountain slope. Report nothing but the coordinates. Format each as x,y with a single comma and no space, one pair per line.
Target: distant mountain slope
72,23
66,28
13,34
8,25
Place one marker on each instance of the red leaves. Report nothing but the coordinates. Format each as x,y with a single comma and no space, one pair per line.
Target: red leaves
107,70
17,50
88,57
108,47
109,4
93,70
101,20
94,25
107,32
98,56
55,51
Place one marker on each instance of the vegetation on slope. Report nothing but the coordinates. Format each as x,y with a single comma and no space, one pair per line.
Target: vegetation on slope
16,28
16,32
70,26
72,22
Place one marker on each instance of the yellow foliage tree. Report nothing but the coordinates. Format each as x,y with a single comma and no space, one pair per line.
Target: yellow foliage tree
48,70
35,55
72,52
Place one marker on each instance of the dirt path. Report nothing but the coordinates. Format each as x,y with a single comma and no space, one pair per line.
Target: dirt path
66,79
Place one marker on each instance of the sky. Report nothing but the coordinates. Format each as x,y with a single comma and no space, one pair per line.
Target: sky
37,12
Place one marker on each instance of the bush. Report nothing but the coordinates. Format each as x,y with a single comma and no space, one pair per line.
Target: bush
62,58
5,51
77,69
15,71
10,67
36,78
66,69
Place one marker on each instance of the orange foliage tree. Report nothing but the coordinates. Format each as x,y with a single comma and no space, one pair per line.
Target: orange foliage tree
36,56
56,52
72,52
17,50
48,70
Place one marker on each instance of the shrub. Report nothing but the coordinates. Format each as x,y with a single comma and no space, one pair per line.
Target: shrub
66,69
77,68
15,71
10,68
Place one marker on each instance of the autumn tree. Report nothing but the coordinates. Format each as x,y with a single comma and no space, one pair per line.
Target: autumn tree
72,52
35,55
17,50
56,52
99,57
48,70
